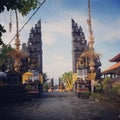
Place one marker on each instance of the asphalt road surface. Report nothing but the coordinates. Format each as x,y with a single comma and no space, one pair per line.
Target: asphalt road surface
58,106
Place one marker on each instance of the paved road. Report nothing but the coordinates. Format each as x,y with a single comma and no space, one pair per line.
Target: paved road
58,106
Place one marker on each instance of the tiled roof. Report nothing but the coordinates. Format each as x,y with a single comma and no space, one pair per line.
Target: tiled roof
111,68
116,58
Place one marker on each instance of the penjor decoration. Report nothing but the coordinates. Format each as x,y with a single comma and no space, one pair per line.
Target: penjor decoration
89,55
16,54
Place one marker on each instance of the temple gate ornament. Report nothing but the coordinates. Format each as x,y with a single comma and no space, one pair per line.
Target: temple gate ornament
89,55
16,54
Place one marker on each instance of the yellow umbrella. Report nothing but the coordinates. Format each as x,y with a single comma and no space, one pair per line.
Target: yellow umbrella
26,75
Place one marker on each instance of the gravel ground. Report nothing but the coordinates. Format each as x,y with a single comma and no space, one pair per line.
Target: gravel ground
58,106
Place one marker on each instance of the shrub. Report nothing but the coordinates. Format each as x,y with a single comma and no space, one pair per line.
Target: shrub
98,88
111,90
84,95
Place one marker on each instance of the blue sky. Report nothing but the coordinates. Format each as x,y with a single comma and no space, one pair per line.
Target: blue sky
56,17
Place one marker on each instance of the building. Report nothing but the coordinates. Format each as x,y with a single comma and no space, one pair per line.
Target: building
33,50
114,70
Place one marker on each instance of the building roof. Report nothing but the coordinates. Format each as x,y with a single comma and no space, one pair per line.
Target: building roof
116,58
112,68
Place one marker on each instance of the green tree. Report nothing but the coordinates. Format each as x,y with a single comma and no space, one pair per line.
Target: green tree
46,85
2,30
23,6
45,77
67,78
5,59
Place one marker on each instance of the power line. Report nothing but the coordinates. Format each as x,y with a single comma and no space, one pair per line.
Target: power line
41,3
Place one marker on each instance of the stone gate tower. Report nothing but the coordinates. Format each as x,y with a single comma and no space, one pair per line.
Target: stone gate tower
35,48
79,43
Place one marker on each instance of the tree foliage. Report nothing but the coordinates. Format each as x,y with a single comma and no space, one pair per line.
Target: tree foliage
2,30
23,6
5,60
67,78
45,77
46,85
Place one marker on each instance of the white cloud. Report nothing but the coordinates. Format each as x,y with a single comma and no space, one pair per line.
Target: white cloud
61,27
106,31
58,58
58,66
58,28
